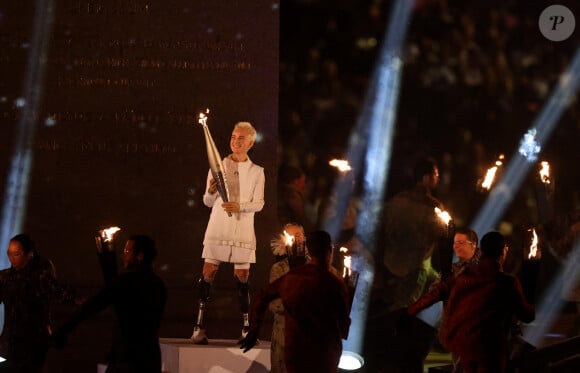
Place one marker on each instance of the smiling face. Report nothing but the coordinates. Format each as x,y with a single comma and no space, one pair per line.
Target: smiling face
463,247
240,143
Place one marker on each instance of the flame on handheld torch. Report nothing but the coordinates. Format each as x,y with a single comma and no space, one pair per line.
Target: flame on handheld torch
443,215
347,262
288,239
342,165
203,118
534,245
491,172
545,172
108,233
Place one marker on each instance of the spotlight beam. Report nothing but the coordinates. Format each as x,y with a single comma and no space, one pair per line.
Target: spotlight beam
370,148
547,310
502,194
16,192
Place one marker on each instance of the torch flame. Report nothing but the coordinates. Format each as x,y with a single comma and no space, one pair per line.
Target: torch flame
490,174
343,250
203,118
289,239
443,215
109,233
341,164
347,266
545,172
534,245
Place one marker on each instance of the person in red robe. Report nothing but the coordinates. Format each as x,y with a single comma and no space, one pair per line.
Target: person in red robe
316,311
481,304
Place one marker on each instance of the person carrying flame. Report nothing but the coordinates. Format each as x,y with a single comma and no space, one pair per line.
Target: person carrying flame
230,235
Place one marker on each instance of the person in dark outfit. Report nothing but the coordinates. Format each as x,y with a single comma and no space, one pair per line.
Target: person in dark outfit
481,304
411,235
27,289
138,296
316,311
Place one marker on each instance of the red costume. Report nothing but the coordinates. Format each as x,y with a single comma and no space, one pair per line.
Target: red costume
316,317
481,303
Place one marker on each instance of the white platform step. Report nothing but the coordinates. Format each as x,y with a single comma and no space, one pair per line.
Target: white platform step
179,355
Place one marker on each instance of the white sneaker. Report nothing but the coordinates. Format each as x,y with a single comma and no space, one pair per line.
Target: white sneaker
199,337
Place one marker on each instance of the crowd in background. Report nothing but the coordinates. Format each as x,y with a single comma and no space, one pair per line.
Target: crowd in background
475,76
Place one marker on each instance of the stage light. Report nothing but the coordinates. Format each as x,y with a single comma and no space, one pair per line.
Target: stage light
369,150
529,148
501,196
350,361
16,192
566,279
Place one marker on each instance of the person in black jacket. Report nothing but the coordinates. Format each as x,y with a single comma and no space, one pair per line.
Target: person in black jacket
28,289
138,296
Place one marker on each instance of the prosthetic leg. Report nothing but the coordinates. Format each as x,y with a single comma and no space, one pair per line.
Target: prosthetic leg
199,336
244,298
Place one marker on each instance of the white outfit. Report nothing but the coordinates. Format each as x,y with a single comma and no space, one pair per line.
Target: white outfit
232,238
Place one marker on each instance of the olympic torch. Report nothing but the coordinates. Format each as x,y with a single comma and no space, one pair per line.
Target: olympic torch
215,160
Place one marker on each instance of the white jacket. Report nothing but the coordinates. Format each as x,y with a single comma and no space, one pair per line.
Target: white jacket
237,230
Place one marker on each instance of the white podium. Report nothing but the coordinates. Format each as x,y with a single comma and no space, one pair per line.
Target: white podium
179,355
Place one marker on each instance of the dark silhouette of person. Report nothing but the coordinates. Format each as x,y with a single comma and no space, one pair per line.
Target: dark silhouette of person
292,197
138,296
411,235
316,311
27,290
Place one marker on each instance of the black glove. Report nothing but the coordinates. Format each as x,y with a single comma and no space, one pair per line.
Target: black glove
250,341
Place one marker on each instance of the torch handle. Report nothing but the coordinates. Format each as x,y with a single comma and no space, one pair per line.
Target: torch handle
222,187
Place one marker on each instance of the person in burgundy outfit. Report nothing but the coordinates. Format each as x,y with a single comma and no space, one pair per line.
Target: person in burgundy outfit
316,311
480,306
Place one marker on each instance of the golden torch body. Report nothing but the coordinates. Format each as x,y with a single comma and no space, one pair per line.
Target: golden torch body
215,163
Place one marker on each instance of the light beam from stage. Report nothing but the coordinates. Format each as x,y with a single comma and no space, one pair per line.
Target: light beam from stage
530,146
503,193
16,191
545,313
370,147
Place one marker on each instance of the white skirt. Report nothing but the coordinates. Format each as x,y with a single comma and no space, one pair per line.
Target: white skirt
229,254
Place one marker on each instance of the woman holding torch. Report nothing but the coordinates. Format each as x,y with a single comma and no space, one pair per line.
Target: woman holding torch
230,235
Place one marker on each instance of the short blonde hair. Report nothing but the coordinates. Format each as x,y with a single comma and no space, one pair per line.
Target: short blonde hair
248,127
